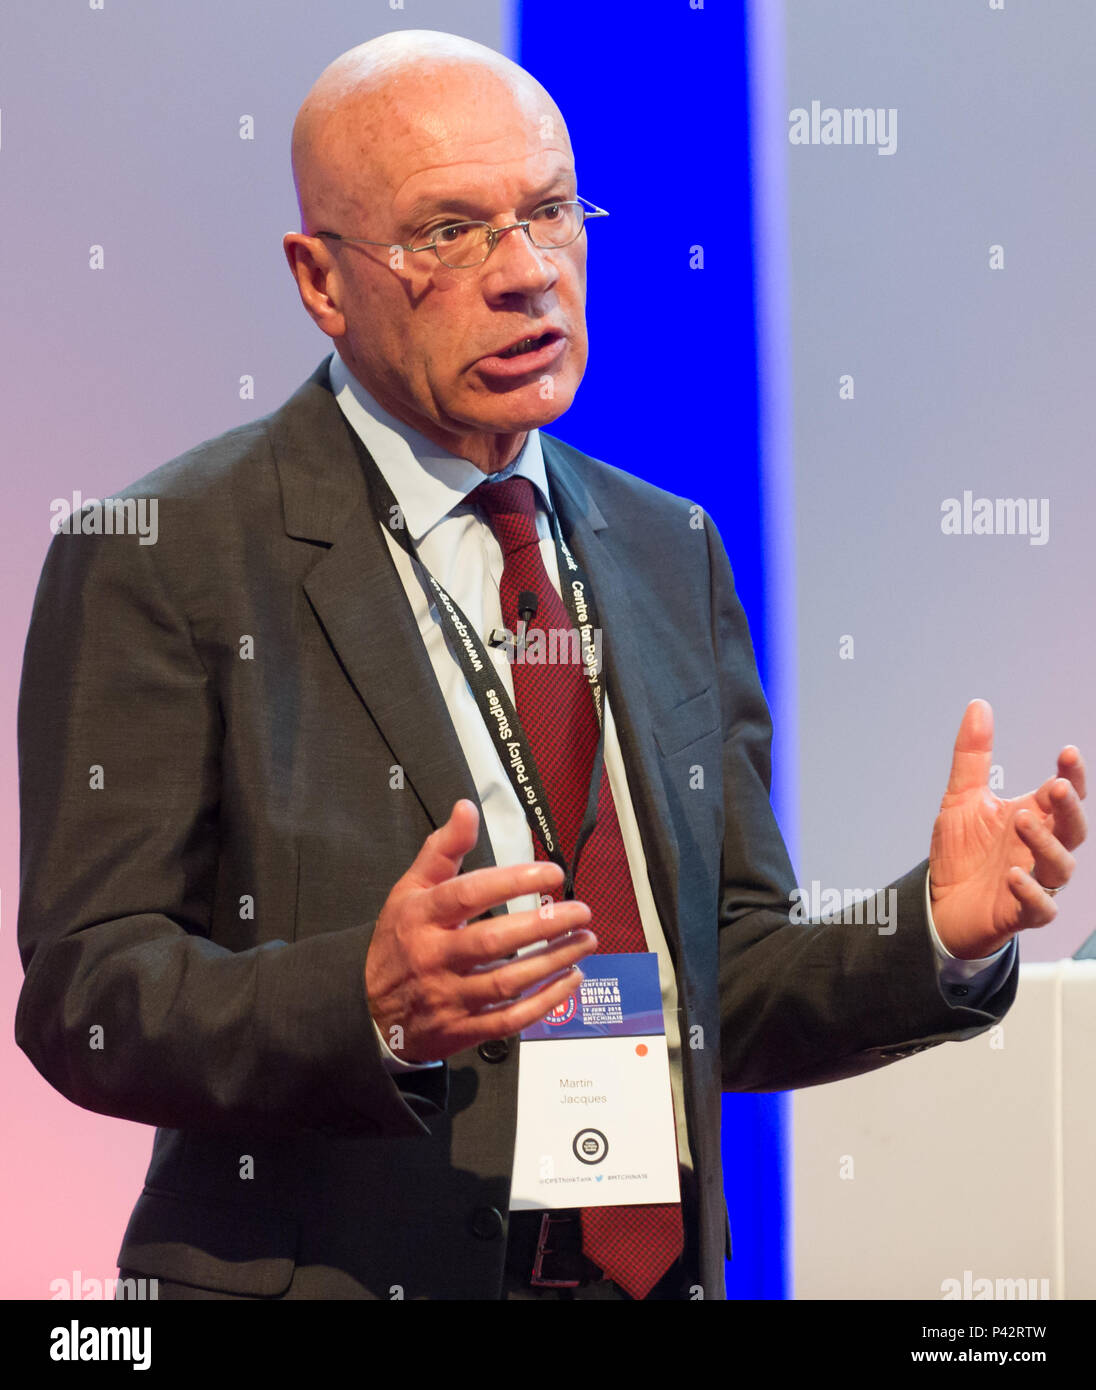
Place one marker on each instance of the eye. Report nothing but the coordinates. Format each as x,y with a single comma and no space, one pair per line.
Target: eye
450,233
550,212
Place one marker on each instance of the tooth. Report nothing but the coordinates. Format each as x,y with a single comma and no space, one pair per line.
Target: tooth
524,346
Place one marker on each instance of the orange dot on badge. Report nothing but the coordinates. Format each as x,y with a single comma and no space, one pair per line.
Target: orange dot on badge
641,1049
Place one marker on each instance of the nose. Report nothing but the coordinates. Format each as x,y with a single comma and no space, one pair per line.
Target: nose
516,266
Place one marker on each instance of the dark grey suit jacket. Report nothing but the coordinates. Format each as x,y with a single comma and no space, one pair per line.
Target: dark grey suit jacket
209,907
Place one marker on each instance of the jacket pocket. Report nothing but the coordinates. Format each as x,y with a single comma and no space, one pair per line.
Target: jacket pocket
210,1245
697,717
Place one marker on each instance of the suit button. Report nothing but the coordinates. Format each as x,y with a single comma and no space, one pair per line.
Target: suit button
486,1223
494,1050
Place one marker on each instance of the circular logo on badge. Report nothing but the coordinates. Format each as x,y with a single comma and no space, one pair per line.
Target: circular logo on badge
590,1146
563,1013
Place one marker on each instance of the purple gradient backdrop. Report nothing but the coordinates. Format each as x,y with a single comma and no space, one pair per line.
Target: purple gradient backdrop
120,128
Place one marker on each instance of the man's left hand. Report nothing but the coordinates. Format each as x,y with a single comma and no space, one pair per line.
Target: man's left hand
992,861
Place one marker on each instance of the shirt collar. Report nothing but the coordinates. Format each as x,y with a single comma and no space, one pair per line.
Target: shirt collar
426,480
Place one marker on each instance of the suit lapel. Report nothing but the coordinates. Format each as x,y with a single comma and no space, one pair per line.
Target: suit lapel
581,521
359,600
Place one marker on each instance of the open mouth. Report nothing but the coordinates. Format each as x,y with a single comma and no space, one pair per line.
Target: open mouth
527,345
542,352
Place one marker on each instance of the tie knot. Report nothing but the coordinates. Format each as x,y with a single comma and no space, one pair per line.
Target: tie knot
511,510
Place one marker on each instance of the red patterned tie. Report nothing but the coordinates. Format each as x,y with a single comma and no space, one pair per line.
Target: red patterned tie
633,1245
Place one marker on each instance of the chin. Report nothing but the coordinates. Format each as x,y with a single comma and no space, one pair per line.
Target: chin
524,411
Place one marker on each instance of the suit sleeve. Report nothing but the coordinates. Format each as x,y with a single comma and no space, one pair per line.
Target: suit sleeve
129,1007
804,1003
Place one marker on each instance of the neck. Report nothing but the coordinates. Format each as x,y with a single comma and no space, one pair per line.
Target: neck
490,453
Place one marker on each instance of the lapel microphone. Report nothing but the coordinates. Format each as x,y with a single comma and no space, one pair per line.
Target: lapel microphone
527,611
528,604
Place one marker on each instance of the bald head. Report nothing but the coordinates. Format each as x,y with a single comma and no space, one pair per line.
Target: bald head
403,90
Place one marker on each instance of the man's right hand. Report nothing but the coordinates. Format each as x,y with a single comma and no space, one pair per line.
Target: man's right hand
438,981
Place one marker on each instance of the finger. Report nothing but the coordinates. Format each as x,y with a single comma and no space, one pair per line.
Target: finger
1039,908
1058,799
973,754
1070,823
1071,766
512,1018
497,938
443,851
506,983
1054,864
471,895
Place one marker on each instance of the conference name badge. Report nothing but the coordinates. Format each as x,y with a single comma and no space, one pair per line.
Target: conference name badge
595,1112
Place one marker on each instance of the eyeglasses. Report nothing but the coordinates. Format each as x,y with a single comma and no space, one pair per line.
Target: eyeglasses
462,245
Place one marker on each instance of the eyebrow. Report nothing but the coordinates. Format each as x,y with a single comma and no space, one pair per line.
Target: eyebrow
422,208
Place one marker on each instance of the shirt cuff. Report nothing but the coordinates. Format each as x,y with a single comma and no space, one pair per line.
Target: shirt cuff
978,977
392,1063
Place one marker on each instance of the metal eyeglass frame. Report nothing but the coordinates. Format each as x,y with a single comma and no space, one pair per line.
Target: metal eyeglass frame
493,233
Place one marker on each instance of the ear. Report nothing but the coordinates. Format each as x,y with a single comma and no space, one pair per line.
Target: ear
313,268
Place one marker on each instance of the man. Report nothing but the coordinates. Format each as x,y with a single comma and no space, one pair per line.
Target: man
269,902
